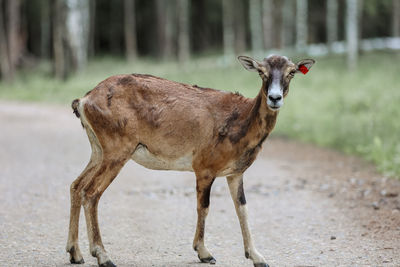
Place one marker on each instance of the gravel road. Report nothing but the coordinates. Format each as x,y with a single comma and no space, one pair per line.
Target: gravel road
307,206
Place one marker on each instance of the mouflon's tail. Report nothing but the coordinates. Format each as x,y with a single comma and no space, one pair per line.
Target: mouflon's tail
74,106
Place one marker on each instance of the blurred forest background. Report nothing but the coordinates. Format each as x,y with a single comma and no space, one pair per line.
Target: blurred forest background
56,50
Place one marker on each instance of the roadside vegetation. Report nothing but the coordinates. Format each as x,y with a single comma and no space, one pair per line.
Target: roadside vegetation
356,112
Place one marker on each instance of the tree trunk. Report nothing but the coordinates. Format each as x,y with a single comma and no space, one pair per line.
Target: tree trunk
45,22
360,8
14,24
92,28
160,30
396,18
130,29
277,24
201,29
267,22
170,29
60,70
183,30
331,22
287,28
228,31
301,25
256,26
4,56
78,31
352,33
239,24
114,27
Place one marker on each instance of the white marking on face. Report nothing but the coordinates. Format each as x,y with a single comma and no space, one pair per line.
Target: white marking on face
275,93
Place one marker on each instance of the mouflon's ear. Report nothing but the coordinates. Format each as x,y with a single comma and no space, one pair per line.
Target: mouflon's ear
304,65
249,63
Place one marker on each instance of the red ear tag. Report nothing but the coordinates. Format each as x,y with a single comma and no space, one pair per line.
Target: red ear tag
303,69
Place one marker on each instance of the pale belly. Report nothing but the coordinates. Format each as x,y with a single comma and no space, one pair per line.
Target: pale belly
149,160
145,158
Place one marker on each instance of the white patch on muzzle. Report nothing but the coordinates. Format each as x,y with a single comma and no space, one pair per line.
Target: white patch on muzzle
275,96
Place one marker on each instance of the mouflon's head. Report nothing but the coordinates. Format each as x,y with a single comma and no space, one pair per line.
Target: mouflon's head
276,73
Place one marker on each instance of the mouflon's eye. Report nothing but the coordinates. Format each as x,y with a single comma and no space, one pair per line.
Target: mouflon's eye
262,74
292,73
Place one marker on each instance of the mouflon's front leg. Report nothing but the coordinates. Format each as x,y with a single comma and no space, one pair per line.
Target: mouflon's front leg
235,184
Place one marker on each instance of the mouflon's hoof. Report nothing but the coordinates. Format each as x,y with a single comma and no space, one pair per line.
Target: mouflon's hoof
108,264
73,261
210,260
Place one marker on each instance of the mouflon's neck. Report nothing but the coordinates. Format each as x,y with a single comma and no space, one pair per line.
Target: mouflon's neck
263,119
250,123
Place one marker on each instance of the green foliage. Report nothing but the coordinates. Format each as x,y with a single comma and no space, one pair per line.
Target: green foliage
355,112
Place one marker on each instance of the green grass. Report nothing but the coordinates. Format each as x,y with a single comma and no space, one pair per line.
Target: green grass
356,112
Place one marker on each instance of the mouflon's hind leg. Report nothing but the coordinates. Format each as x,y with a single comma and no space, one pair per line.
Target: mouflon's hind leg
72,243
76,197
203,188
91,193
235,184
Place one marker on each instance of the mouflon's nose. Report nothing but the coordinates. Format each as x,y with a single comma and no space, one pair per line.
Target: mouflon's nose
275,97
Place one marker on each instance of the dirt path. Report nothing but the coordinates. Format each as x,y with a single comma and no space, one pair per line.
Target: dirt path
308,206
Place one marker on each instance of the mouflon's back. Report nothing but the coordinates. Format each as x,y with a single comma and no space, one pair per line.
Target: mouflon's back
157,112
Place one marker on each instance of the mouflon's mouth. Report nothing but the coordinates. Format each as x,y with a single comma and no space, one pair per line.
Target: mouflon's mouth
274,107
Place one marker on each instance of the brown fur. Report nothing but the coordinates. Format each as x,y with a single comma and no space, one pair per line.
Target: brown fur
222,133
142,104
